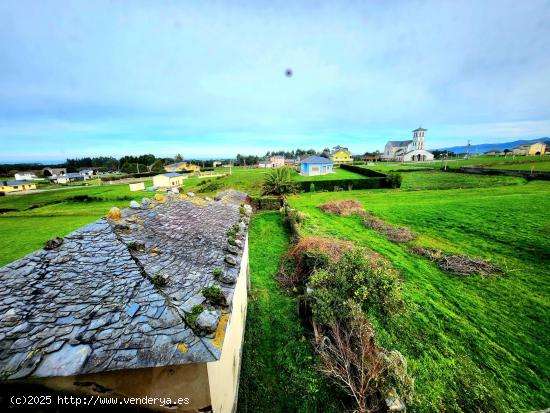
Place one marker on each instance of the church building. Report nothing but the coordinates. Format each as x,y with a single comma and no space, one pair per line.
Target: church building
407,151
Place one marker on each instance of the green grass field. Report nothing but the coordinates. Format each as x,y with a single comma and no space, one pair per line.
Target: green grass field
429,180
278,373
32,219
472,344
499,162
541,166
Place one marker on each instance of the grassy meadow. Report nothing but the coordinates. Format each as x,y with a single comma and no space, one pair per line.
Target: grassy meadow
28,221
472,344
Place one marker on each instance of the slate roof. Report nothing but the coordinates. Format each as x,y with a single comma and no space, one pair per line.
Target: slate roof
70,175
17,182
176,164
171,174
399,143
420,128
92,303
316,160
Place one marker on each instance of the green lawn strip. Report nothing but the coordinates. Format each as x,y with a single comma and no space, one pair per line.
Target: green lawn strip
21,236
337,174
479,333
541,166
278,373
419,180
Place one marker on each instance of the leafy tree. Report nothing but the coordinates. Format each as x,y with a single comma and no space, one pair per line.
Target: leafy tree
178,158
157,166
278,182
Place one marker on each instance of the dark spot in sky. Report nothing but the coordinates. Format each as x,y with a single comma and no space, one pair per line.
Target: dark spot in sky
288,72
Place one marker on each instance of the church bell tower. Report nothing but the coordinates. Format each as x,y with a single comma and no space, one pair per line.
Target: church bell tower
418,138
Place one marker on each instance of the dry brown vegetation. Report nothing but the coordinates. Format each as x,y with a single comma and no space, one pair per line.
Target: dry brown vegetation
350,354
456,263
307,254
342,208
391,232
352,207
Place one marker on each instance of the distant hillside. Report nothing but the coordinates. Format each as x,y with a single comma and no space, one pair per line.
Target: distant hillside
489,146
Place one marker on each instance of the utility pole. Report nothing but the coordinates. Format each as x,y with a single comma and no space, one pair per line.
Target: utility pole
137,166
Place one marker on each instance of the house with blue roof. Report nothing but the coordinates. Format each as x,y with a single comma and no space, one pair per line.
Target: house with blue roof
315,165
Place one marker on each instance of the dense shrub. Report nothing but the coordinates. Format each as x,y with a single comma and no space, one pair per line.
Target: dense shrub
373,285
308,255
211,187
394,179
266,202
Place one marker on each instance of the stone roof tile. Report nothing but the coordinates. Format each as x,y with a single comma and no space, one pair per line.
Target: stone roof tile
114,294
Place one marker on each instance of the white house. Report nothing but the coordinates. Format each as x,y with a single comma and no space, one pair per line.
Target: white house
69,177
86,172
407,151
272,162
25,176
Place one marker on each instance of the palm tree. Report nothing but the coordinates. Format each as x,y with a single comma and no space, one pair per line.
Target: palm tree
278,182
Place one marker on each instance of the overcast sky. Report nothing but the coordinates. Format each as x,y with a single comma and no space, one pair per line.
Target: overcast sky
207,78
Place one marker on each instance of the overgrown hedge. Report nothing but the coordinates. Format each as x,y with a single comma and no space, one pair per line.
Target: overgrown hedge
362,171
266,202
343,184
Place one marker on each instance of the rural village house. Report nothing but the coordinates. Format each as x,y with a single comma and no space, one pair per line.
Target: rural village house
168,180
537,148
272,162
69,177
406,151
24,176
117,308
315,165
11,186
340,155
181,166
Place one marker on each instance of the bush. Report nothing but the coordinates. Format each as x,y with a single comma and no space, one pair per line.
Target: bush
394,179
356,276
278,182
308,255
211,187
